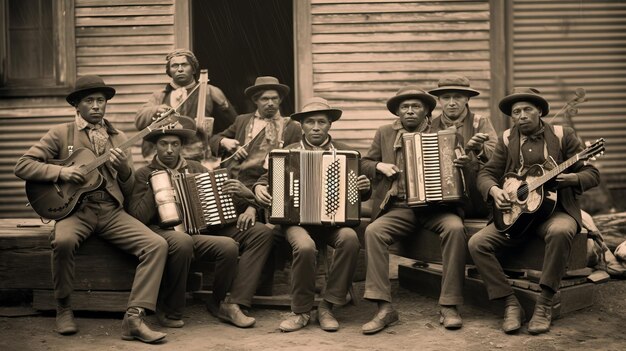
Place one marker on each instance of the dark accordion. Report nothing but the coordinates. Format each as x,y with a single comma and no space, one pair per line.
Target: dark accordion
314,187
430,174
200,201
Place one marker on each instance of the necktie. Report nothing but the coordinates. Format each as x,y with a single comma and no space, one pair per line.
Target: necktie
99,137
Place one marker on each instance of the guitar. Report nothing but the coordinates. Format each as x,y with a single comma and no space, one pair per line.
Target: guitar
530,201
57,200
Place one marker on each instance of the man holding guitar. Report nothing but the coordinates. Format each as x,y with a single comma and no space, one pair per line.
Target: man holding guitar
529,143
101,209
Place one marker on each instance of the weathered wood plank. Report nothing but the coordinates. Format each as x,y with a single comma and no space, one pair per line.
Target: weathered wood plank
124,21
91,51
400,37
388,88
398,8
117,11
398,27
105,301
125,41
458,46
400,66
122,31
412,56
434,17
99,3
104,71
399,76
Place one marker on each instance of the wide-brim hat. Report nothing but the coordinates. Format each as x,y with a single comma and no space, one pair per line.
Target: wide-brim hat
524,94
86,85
266,83
454,83
185,128
411,92
316,105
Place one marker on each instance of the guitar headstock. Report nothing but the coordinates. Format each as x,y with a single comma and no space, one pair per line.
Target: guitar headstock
592,150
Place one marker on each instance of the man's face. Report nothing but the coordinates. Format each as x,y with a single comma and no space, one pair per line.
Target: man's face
92,107
168,149
453,104
315,128
527,115
268,103
412,113
181,70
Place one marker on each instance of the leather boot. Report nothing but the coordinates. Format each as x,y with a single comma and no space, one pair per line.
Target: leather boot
542,317
383,318
231,313
133,327
295,322
65,321
514,316
450,318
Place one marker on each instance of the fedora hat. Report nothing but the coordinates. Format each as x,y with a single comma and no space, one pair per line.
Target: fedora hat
524,94
185,128
266,83
317,105
86,85
454,83
411,92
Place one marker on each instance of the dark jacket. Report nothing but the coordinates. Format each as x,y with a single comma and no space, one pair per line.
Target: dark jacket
506,159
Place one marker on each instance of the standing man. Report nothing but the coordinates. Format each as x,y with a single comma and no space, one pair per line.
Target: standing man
101,211
184,69
254,135
183,248
531,141
392,218
454,93
316,119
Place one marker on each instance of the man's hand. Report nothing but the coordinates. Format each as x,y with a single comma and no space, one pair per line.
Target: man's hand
462,161
246,219
72,174
363,184
565,180
229,144
262,195
502,199
476,142
236,188
119,162
162,109
240,154
387,169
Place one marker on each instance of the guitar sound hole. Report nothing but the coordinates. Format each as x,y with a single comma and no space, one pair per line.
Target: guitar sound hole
522,192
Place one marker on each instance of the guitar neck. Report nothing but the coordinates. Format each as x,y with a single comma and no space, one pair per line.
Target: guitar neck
100,160
552,173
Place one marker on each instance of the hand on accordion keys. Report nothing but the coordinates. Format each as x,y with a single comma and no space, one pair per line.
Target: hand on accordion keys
363,184
262,195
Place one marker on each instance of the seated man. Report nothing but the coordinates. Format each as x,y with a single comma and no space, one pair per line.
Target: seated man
531,141
100,211
393,218
183,248
252,238
316,119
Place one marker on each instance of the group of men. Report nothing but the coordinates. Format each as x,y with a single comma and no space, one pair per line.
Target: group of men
124,210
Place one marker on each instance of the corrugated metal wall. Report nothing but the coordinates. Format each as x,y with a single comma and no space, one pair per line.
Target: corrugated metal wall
365,50
124,41
561,45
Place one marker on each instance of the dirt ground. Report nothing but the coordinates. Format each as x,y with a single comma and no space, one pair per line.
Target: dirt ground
600,327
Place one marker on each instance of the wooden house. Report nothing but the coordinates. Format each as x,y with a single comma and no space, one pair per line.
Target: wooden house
355,53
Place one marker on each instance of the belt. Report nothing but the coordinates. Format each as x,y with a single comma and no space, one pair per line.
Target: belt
98,196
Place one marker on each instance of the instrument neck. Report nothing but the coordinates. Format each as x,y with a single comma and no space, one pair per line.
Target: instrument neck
536,183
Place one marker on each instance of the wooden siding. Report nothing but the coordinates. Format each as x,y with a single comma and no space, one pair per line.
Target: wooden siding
559,46
125,42
364,51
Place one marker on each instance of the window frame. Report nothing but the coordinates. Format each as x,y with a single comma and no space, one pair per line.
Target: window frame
64,53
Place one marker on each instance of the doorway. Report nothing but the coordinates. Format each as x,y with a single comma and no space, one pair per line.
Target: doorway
239,40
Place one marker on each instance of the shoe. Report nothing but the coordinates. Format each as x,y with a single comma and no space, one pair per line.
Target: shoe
213,308
168,322
540,322
514,317
231,313
65,321
450,318
327,321
133,327
295,322
381,320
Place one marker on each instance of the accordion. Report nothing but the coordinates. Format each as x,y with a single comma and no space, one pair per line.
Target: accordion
314,187
430,174
199,200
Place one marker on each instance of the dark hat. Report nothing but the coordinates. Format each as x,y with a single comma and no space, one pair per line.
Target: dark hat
524,94
86,85
266,83
185,128
317,105
411,92
454,83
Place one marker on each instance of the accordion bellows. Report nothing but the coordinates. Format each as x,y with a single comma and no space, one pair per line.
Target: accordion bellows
430,174
314,187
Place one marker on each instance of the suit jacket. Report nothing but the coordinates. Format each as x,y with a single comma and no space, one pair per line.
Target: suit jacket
54,145
506,159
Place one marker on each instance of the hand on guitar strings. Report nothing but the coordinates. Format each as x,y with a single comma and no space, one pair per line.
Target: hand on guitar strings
501,198
161,109
387,169
363,184
565,180
263,196
120,163
246,219
72,174
476,142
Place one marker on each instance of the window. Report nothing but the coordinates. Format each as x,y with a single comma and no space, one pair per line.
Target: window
36,47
